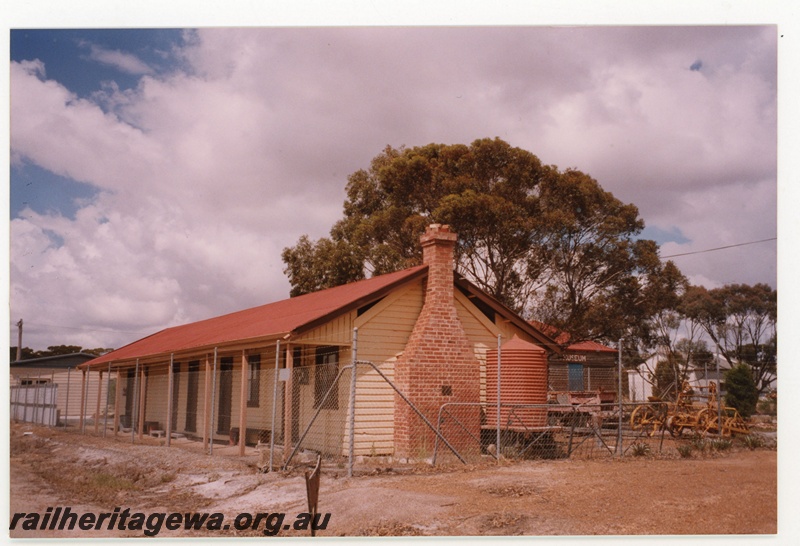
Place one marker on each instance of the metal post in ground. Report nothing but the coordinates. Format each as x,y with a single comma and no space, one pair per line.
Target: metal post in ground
499,359
66,404
108,387
170,401
85,398
351,450
135,405
213,392
16,388
52,421
719,398
619,397
274,403
36,397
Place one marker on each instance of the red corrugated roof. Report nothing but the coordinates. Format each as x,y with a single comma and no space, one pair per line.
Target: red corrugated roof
562,337
273,320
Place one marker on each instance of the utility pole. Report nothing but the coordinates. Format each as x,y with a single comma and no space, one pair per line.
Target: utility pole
19,342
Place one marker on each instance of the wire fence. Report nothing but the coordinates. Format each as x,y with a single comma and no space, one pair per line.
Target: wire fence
288,404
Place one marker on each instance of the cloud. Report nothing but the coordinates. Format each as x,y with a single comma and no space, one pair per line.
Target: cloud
205,172
125,62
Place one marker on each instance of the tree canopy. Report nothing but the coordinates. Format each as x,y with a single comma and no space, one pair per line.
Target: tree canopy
740,320
552,245
55,350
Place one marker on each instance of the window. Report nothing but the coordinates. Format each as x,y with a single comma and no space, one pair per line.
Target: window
29,382
253,380
325,372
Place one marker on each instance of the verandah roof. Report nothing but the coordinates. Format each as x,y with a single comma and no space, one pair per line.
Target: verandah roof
273,320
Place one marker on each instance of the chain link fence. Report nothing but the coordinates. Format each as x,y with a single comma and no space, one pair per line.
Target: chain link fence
289,404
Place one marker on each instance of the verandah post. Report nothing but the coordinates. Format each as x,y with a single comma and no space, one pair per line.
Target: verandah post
206,397
213,396
135,404
97,406
117,399
142,398
108,387
243,404
170,401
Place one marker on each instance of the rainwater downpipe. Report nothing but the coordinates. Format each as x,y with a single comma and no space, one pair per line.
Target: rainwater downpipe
499,359
274,402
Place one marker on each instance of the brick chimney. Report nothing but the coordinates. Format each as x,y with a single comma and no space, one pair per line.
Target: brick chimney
439,363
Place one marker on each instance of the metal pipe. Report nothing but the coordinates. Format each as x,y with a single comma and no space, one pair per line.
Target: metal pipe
413,407
36,397
719,398
274,403
85,399
135,405
213,392
619,397
499,359
66,405
53,390
334,384
108,386
16,388
170,401
352,439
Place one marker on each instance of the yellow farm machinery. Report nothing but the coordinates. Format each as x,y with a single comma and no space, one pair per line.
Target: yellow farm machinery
685,415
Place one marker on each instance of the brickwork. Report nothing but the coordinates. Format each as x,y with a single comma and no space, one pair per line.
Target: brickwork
438,364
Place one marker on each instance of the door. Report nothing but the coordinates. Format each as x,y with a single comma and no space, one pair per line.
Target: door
130,395
176,375
575,377
191,396
225,395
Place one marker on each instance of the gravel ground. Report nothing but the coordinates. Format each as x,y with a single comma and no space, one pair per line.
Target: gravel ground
728,492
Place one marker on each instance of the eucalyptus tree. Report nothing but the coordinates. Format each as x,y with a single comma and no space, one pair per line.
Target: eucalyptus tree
550,244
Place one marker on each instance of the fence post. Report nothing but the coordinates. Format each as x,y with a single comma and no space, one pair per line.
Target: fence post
108,388
274,403
351,451
619,398
719,398
82,413
66,404
97,406
170,401
213,397
135,405
499,338
16,389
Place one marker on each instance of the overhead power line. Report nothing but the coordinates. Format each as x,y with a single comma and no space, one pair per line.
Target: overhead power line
82,328
720,248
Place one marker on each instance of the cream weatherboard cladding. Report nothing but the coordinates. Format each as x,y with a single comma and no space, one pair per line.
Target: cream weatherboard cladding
384,311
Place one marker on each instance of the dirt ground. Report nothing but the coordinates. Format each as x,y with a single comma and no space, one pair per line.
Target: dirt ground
728,492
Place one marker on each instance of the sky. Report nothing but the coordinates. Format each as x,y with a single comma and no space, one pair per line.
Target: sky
157,171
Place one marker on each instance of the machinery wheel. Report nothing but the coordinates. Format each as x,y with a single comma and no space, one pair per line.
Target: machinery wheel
646,418
707,421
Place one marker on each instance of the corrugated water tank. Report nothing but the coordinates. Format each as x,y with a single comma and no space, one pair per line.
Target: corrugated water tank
523,381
